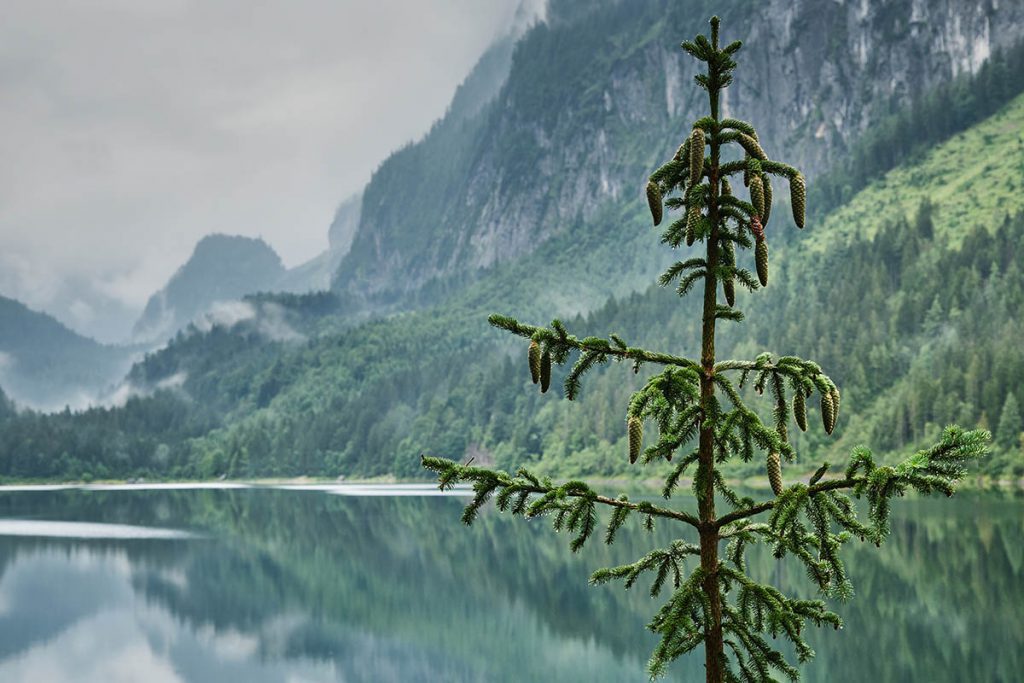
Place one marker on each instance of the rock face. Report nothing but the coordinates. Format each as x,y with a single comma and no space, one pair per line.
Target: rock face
598,94
842,64
222,268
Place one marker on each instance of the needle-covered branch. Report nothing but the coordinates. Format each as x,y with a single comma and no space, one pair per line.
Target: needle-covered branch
939,468
560,343
572,503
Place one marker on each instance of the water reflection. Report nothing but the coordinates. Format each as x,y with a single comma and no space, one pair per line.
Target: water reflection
302,585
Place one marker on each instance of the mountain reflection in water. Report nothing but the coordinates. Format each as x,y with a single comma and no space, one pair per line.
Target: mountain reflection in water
301,585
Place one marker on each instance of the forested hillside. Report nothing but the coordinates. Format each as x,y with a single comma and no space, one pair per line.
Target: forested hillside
480,217
49,366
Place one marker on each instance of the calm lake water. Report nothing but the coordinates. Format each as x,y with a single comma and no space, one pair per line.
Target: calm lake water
305,585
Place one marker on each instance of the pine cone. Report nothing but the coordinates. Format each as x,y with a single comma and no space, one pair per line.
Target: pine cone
753,147
761,260
756,227
533,355
774,467
767,185
828,415
757,195
696,155
798,198
726,187
692,220
545,372
800,411
635,427
835,404
728,284
654,201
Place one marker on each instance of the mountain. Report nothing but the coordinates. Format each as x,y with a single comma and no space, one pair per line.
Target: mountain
45,365
530,204
222,268
597,94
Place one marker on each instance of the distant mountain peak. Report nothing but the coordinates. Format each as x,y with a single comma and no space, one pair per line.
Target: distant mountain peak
222,268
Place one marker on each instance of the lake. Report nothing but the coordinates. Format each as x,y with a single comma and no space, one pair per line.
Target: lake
260,584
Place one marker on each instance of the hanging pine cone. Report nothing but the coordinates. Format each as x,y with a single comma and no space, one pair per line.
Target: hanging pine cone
545,372
761,260
753,147
798,198
726,187
767,185
696,155
774,467
654,201
692,221
757,194
728,284
828,415
533,355
800,411
635,427
756,227
683,152
835,404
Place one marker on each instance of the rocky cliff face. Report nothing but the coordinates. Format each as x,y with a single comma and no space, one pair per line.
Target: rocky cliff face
596,96
839,65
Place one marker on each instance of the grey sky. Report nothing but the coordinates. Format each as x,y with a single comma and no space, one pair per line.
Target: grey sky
130,128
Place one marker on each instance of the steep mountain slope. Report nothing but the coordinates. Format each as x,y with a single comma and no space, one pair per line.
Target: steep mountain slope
562,142
221,268
45,365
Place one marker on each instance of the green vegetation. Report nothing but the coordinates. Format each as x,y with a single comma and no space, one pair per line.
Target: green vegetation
720,605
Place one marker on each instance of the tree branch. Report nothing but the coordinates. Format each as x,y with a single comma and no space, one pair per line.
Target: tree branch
450,472
830,485
590,344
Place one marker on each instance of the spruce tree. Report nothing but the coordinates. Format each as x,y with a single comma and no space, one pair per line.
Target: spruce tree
1008,433
700,410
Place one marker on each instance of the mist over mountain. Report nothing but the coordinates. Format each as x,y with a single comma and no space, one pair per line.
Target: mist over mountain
45,365
222,268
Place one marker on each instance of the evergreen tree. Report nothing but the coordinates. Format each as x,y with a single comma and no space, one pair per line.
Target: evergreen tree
716,603
1008,433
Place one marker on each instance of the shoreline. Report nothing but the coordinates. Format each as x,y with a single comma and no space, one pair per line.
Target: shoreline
406,486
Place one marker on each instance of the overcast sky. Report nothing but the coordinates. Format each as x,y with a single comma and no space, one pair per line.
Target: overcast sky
131,128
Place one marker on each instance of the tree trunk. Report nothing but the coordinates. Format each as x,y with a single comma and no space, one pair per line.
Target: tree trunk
714,652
